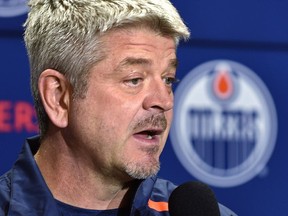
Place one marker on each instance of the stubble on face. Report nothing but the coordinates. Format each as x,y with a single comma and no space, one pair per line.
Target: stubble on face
144,169
139,170
115,143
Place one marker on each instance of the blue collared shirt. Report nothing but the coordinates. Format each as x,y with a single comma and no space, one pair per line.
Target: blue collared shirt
24,192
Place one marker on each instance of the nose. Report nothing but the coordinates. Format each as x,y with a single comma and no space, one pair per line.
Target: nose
159,97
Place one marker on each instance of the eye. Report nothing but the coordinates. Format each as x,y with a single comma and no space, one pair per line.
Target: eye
169,81
133,82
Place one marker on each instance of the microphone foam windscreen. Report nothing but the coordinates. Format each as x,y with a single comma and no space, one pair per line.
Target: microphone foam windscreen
193,199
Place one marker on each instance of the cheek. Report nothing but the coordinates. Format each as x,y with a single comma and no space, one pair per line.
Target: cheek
114,116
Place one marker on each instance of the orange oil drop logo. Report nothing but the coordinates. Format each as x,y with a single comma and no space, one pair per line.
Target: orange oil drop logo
223,85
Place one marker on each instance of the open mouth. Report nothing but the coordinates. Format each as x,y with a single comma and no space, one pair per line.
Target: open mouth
149,134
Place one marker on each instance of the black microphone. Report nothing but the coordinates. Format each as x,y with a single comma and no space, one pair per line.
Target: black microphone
193,199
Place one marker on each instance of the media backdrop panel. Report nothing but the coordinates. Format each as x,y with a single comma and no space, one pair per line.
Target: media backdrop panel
229,127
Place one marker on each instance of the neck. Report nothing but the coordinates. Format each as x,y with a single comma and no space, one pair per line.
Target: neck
73,182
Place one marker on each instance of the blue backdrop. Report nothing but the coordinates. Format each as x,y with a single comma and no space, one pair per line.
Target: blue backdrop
253,33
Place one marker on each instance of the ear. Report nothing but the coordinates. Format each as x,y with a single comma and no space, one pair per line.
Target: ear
55,95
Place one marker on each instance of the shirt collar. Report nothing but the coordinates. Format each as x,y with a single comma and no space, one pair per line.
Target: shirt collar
29,193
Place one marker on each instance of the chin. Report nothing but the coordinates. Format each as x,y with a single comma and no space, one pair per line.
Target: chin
143,170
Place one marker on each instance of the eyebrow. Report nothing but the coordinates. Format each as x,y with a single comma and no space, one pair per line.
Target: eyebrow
134,61
129,61
173,63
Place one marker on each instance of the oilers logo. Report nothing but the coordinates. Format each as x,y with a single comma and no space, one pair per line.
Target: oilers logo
225,124
11,8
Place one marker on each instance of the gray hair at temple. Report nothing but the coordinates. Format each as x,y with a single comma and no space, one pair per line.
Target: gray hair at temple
65,35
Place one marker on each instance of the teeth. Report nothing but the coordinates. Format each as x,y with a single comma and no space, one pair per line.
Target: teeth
149,137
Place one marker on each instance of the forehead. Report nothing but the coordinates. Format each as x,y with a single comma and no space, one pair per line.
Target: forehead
138,42
130,61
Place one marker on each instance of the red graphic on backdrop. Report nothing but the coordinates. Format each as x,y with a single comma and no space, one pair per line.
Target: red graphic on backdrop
18,116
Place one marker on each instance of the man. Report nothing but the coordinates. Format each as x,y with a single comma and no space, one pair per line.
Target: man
101,76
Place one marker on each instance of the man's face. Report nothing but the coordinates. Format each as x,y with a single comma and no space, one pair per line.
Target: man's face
120,128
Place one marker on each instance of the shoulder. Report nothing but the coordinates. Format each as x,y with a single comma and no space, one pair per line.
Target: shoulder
5,191
161,188
5,184
164,184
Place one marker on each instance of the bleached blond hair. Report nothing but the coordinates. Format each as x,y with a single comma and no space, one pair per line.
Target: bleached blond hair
65,35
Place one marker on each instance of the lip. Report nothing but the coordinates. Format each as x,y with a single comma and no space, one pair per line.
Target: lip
149,135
